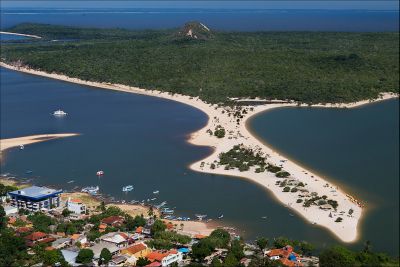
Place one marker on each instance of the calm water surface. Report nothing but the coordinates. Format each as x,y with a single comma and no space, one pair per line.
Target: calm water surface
359,148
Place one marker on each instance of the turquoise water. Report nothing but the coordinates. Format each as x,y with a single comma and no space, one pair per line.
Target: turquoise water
358,148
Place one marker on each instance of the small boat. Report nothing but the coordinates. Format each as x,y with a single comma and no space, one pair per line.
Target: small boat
100,173
154,198
59,113
28,172
264,217
156,192
91,190
167,211
221,216
70,182
200,217
161,205
127,188
290,214
21,147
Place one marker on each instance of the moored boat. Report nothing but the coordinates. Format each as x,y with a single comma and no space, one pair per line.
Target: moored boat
127,188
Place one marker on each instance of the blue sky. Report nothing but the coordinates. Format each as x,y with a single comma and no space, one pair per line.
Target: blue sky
346,5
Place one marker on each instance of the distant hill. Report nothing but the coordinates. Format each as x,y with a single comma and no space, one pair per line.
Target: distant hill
194,30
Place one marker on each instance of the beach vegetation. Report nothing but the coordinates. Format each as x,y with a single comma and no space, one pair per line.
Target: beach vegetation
299,200
5,189
212,166
273,168
294,190
286,189
242,158
339,219
282,174
219,131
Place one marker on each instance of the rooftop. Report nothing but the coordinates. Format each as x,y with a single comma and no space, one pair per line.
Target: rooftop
35,192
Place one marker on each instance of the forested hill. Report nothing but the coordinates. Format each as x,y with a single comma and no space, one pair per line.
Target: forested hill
310,67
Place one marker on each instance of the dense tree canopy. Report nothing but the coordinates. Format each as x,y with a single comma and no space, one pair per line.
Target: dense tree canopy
310,67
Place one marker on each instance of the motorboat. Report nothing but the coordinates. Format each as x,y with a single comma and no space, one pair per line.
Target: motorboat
156,192
59,113
127,188
91,190
21,147
221,216
100,173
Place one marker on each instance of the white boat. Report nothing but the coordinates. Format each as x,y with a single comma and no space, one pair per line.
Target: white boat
127,188
21,147
70,182
59,113
90,189
221,216
156,192
200,217
100,173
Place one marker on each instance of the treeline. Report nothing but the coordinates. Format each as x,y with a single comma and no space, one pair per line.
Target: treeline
310,67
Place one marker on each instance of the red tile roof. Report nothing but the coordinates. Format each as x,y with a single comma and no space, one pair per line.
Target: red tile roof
136,248
35,236
139,229
156,256
113,220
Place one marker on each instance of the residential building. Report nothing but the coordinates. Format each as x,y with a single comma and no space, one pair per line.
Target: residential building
99,246
35,198
165,258
76,206
114,221
285,255
138,250
61,243
37,237
70,256
10,210
118,239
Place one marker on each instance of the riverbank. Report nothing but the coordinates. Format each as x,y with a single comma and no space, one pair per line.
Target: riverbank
238,134
27,140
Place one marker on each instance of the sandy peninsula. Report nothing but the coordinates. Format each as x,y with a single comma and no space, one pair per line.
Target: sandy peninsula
21,34
238,133
26,140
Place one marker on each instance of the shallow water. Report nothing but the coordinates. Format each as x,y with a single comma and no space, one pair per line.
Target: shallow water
358,148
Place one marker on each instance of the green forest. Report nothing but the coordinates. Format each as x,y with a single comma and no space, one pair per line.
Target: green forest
309,67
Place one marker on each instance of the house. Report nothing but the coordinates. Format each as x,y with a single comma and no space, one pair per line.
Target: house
118,239
99,246
138,250
165,258
81,238
285,255
70,255
326,207
35,198
114,221
23,230
38,237
76,206
10,210
117,260
61,243
102,227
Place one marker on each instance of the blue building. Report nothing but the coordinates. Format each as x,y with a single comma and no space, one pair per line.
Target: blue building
35,198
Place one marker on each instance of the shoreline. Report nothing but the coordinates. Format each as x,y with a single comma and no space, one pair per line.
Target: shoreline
346,231
21,34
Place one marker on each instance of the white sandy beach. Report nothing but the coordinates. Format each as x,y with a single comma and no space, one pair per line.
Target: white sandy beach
347,230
